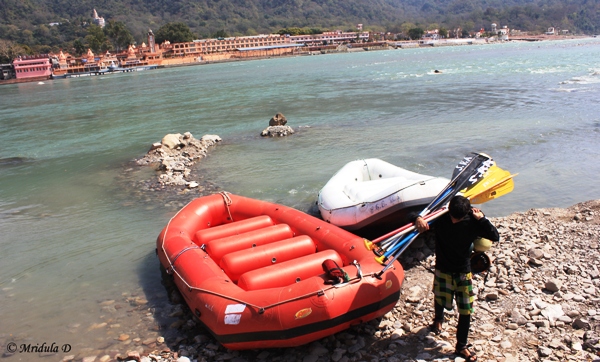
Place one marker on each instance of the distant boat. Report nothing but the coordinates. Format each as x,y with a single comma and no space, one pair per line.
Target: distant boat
112,67
364,192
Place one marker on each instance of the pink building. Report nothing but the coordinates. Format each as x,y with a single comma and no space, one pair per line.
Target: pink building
34,66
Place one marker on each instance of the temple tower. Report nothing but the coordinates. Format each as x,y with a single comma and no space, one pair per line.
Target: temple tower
151,43
98,20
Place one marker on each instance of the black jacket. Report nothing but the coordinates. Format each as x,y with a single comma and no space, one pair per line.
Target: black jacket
453,242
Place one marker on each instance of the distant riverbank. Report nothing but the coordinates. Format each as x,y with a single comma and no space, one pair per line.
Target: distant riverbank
543,37
350,48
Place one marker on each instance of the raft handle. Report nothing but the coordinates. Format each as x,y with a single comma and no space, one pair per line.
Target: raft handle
181,252
357,265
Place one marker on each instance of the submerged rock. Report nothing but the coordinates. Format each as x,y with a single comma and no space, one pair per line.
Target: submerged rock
277,131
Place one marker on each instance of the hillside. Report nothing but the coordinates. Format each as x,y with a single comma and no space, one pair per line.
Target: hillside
27,21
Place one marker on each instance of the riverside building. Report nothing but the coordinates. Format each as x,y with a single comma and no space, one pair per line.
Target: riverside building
34,66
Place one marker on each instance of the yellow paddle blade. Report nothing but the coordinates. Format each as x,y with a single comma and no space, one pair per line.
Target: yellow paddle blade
495,192
491,178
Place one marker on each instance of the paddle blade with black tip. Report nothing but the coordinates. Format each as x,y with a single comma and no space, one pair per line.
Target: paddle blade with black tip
466,174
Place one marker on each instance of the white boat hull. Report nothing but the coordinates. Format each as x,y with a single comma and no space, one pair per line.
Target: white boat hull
365,191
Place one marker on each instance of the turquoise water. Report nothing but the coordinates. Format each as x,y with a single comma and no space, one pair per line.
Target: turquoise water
72,235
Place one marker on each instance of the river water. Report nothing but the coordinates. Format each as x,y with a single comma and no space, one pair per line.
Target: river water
73,238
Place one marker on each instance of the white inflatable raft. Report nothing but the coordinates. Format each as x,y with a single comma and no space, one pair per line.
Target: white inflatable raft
365,191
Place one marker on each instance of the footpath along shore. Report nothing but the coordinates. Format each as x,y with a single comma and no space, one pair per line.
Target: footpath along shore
540,302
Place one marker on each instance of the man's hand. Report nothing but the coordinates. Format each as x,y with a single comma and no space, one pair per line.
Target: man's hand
477,214
421,224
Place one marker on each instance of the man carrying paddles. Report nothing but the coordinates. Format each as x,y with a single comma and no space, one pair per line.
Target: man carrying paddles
455,233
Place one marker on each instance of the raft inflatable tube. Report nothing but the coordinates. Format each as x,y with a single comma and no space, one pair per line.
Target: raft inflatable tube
251,271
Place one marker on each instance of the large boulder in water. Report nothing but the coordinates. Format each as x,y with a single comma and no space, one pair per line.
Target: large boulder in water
277,127
278,120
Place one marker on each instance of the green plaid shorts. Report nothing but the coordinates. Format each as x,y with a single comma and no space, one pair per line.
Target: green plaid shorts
447,286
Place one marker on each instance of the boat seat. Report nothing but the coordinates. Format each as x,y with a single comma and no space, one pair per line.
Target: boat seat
217,248
287,273
239,262
233,228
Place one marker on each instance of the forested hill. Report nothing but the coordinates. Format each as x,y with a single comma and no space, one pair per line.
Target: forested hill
26,21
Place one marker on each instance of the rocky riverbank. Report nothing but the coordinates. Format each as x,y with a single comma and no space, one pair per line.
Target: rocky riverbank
539,302
175,155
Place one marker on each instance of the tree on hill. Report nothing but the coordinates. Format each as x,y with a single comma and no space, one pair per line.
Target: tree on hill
174,33
416,33
97,40
119,35
9,51
299,31
78,47
220,34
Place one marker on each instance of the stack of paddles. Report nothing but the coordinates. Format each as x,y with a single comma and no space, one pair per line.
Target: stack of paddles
476,177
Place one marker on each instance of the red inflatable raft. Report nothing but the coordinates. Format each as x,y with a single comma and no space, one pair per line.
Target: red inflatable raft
251,271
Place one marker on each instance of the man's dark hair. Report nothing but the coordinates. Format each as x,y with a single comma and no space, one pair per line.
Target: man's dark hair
459,207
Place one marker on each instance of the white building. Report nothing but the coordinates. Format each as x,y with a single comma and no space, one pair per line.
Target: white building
331,37
98,20
503,33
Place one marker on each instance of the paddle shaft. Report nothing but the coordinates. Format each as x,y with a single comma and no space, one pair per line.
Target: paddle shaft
396,234
393,259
